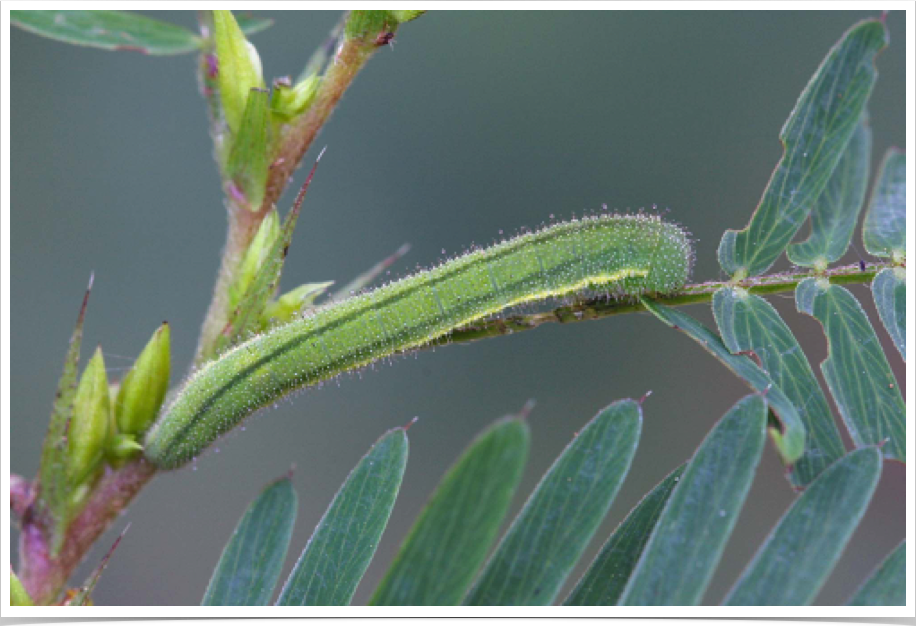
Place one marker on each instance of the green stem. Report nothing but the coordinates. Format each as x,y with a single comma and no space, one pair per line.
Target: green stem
598,308
243,225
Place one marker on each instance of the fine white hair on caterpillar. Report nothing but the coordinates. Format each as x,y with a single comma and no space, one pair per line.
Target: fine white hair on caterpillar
622,255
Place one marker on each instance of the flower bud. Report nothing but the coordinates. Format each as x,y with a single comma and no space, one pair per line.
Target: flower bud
123,446
288,101
406,16
239,67
258,249
284,308
90,421
143,389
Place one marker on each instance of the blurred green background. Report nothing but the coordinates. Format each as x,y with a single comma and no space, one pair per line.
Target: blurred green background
471,123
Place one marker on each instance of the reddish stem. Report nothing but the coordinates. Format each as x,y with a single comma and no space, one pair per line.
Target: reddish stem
45,575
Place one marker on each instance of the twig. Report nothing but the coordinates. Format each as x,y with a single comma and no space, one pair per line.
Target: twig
350,58
595,308
244,220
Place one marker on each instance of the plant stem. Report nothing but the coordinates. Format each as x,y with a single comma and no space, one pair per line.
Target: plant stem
243,225
351,56
44,575
597,308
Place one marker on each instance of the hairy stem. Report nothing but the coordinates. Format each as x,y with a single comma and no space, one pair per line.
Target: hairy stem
244,220
243,225
44,575
350,58
692,294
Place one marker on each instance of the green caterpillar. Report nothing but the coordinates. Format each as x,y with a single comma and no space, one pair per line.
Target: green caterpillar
625,255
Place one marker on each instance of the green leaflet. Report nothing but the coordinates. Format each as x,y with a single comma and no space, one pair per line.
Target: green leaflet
798,555
345,540
553,529
53,487
815,137
790,437
887,584
608,574
884,230
250,564
679,560
286,307
889,291
836,212
749,323
109,30
620,255
450,539
856,369
252,24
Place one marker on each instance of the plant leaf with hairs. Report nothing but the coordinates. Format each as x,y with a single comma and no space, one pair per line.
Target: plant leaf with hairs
109,30
53,486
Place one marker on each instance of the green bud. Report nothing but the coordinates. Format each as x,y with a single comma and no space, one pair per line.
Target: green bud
284,308
143,389
406,16
113,389
249,163
258,250
90,422
123,446
239,67
288,101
